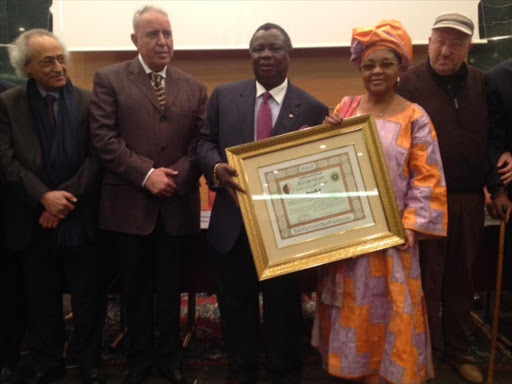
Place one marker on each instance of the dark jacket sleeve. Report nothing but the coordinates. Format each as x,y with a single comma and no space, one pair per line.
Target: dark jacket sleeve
324,112
493,181
86,179
498,124
208,152
187,166
106,137
25,182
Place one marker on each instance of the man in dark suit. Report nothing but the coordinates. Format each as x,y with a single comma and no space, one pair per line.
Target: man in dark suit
239,113
48,213
12,320
499,98
145,120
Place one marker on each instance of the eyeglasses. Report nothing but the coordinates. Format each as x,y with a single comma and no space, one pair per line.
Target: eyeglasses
384,65
51,61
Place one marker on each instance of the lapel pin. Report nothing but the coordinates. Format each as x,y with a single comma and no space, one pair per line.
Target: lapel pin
290,115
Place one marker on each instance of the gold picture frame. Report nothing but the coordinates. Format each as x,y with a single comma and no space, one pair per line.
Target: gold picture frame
316,196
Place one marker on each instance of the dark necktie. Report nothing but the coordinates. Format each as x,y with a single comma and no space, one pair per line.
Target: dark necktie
264,121
50,101
156,80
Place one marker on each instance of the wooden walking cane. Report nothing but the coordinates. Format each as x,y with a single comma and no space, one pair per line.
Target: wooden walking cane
497,304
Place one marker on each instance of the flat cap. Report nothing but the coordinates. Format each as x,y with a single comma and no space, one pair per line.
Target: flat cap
456,20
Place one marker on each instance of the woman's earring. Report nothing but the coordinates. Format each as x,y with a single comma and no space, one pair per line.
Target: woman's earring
397,81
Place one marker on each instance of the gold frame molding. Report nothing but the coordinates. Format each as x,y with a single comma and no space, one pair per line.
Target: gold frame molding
359,133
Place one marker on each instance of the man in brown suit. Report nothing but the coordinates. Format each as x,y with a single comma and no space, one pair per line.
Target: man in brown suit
145,119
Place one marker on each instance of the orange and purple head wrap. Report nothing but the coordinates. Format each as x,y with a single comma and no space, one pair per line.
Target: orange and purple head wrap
387,34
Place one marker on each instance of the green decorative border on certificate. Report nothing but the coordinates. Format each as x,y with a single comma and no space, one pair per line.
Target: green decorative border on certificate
316,196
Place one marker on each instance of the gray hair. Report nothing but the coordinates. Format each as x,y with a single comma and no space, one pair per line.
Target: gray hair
147,8
20,52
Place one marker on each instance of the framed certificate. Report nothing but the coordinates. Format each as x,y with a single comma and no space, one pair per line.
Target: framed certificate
315,196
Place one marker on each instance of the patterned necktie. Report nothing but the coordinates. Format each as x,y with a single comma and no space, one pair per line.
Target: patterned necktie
50,101
156,80
264,121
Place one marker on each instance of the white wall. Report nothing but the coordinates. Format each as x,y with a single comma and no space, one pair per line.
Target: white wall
88,25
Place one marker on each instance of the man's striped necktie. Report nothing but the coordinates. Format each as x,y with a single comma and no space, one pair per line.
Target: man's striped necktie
156,80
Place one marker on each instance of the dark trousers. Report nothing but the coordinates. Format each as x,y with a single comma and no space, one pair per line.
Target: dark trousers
447,275
47,269
152,264
238,296
12,314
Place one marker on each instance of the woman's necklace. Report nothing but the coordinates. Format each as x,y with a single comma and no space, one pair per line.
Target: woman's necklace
388,105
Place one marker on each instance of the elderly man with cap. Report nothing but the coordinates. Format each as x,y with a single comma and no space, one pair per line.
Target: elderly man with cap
454,95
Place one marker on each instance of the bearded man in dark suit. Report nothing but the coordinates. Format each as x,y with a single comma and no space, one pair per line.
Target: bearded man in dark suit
49,211
145,120
235,116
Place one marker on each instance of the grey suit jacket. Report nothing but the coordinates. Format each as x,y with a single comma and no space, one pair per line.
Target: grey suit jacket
132,134
21,164
230,122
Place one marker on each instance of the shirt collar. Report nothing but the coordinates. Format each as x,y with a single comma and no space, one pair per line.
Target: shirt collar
44,93
148,70
277,93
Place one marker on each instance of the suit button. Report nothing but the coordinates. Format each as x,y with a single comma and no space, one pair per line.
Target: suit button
163,119
163,148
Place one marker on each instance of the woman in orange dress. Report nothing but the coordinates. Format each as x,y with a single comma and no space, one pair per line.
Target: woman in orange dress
370,323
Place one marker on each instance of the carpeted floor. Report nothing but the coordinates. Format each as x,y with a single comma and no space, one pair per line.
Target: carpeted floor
205,346
205,362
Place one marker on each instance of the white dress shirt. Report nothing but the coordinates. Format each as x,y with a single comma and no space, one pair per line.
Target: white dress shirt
275,102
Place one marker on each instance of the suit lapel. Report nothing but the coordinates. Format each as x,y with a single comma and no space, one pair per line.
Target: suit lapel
172,87
289,113
30,137
141,80
245,111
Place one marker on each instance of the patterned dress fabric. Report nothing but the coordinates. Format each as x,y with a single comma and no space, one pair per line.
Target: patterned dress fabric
371,317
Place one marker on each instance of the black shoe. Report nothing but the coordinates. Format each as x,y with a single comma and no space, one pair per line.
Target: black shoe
173,375
8,376
48,376
135,376
92,376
